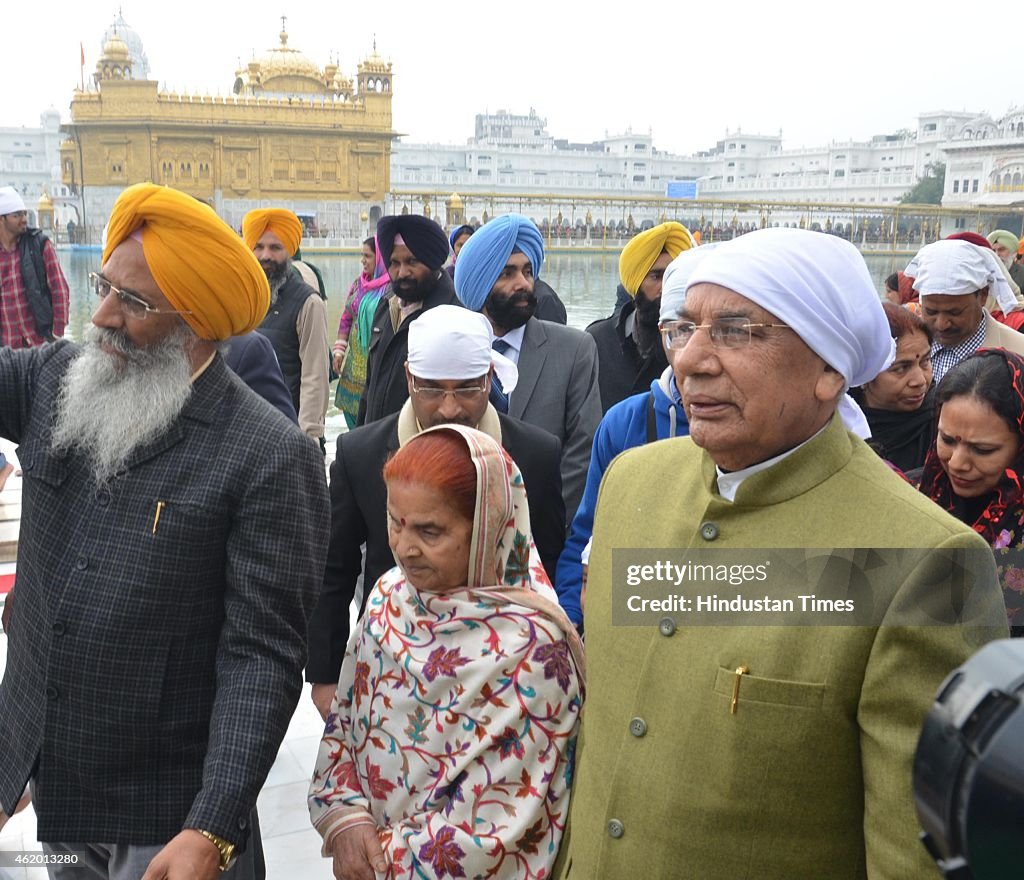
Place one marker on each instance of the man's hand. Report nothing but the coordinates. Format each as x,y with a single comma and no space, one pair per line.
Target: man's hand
323,696
357,854
188,856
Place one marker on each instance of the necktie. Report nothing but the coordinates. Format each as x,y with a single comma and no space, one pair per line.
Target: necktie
498,398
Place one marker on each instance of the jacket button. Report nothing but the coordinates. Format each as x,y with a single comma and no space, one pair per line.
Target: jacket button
51,692
615,828
709,531
638,727
667,626
243,823
103,498
81,563
59,629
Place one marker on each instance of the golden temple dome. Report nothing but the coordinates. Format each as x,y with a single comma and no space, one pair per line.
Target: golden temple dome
116,49
45,203
283,61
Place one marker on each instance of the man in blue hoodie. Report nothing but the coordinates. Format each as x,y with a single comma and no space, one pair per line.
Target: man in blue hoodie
641,418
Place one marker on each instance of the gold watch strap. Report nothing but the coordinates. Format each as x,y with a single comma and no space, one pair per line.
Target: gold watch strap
224,847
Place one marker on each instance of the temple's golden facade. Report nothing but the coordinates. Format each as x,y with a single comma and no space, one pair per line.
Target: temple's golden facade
291,134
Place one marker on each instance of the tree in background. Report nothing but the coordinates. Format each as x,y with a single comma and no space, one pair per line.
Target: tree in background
928,189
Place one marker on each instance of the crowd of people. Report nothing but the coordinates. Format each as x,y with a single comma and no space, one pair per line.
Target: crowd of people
183,561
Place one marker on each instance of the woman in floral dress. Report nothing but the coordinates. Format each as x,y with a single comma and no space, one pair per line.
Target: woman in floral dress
448,751
976,467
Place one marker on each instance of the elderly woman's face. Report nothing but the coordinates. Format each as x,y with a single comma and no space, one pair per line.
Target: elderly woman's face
747,404
902,386
430,539
974,445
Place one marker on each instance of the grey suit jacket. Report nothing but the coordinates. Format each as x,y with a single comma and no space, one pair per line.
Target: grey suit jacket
154,662
557,391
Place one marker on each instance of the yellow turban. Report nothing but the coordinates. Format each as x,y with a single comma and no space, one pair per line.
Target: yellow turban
284,224
198,261
643,251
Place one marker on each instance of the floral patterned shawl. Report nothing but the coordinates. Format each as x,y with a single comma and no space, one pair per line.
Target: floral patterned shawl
454,724
998,517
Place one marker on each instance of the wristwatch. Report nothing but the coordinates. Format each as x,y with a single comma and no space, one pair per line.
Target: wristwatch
224,847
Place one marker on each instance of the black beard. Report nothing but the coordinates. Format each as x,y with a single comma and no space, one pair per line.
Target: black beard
505,312
647,311
412,291
276,272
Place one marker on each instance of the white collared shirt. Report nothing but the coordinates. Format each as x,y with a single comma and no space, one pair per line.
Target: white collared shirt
729,482
514,338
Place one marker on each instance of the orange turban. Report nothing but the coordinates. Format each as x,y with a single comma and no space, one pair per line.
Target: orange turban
643,251
198,261
284,224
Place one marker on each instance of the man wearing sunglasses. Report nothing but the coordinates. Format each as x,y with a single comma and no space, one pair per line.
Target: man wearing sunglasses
173,535
449,371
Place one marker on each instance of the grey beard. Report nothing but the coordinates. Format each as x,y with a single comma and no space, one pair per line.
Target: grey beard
110,406
277,280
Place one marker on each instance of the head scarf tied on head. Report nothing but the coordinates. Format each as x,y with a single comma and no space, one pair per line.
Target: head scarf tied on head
11,201
819,285
421,235
643,250
1004,237
677,279
450,343
284,224
486,253
956,267
197,260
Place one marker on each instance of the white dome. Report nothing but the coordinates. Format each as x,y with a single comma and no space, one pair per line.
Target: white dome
140,63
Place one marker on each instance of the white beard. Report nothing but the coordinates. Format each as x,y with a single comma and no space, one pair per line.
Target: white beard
109,406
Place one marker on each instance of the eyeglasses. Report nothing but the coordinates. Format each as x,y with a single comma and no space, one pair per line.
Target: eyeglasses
463,395
724,332
130,304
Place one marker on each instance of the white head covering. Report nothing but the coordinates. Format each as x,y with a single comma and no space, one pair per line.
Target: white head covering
677,277
10,201
958,267
453,343
819,285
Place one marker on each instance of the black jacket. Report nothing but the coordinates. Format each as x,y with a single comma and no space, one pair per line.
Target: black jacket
33,279
621,371
359,514
549,306
386,389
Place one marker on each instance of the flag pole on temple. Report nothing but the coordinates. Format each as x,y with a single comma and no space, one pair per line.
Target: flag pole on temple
81,69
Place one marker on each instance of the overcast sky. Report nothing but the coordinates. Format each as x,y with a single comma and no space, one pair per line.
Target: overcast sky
817,71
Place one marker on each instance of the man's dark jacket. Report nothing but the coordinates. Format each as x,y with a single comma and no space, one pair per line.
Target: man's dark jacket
33,280
359,514
280,327
386,388
549,306
252,358
157,642
621,370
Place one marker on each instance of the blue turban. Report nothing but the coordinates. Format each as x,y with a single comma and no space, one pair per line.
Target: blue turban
485,254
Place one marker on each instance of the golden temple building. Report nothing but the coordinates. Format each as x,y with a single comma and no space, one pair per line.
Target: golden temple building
290,134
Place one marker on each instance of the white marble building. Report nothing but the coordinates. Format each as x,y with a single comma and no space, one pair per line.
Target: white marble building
516,155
